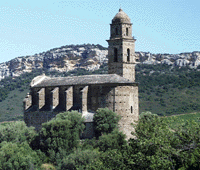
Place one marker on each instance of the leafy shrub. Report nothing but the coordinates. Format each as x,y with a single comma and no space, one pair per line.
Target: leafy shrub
59,136
16,132
88,143
80,159
188,145
105,121
111,159
157,146
113,140
19,156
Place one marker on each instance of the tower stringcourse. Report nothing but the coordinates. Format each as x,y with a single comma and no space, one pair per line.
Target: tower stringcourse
116,91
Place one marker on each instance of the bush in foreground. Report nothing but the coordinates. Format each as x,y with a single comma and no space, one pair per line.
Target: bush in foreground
19,156
59,136
105,121
16,132
157,146
80,159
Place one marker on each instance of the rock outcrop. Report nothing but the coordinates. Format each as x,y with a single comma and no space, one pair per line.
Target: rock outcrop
66,58
176,60
89,57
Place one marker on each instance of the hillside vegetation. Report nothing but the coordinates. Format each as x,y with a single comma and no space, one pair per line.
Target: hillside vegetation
57,145
163,90
166,90
177,120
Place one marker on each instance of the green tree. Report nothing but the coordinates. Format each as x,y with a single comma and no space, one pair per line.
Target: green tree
19,156
113,140
16,132
187,154
109,160
105,121
80,159
156,146
152,146
59,136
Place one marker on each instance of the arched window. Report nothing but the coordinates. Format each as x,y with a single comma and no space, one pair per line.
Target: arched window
131,109
115,55
126,31
116,31
128,55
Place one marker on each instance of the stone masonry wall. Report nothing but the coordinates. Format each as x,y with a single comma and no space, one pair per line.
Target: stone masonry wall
69,98
41,98
36,119
124,101
97,97
54,98
84,99
27,102
129,71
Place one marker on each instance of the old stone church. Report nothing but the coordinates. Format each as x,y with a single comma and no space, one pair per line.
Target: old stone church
116,90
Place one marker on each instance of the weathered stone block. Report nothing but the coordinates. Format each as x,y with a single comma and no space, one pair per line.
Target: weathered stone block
41,98
27,102
54,98
84,98
68,98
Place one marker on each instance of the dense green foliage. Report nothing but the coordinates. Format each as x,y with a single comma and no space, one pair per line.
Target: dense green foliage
167,90
60,135
156,145
79,159
109,160
113,140
19,156
153,146
15,152
177,120
16,132
105,121
159,147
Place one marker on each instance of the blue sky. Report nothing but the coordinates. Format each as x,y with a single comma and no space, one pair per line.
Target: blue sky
160,26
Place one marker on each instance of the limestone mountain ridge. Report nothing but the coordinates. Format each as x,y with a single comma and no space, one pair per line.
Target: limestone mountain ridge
89,57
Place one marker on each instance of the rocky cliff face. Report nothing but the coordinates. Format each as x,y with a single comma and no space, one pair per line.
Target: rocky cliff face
89,57
176,60
66,58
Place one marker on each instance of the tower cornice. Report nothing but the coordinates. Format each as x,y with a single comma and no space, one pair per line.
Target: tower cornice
120,38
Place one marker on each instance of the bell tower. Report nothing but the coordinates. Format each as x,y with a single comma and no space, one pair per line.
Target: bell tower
121,50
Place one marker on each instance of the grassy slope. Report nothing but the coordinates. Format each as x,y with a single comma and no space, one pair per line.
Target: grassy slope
168,91
179,119
174,101
12,107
